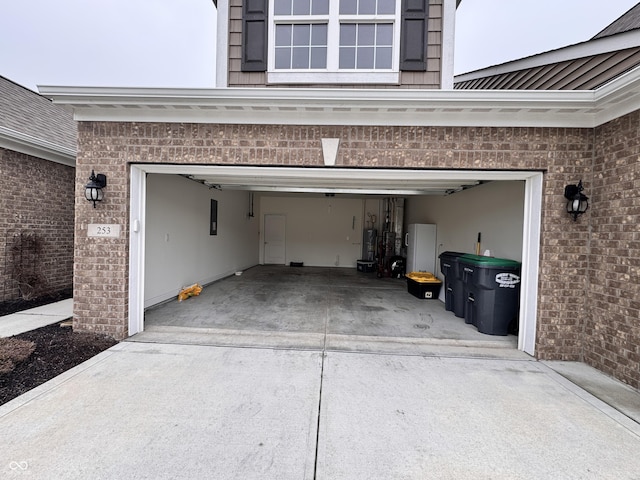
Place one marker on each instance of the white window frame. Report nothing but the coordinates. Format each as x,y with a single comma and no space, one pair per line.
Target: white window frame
333,74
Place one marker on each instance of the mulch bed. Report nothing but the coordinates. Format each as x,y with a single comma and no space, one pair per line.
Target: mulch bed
32,358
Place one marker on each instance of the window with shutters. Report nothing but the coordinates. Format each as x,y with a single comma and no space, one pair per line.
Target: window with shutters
333,41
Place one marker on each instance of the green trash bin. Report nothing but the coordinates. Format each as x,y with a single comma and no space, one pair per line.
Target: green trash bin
491,292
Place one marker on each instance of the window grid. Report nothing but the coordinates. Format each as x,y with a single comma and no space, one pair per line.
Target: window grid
366,46
301,7
367,7
301,46
333,55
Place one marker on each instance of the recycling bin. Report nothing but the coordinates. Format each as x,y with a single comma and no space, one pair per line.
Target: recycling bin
491,292
453,285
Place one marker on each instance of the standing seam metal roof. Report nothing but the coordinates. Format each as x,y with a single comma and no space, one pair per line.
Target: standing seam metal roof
582,73
586,73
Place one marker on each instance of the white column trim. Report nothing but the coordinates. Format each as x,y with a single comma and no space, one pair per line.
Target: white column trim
138,195
530,262
448,44
222,44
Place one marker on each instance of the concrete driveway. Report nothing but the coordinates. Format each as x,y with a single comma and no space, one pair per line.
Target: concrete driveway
160,411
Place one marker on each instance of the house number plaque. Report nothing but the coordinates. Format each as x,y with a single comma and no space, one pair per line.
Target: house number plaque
103,230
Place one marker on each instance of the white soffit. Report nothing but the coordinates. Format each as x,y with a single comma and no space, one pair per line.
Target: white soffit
310,106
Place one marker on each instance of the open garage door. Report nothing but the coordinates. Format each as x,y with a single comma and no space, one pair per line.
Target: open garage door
324,184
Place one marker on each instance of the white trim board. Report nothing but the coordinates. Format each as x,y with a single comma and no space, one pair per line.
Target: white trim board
531,231
311,106
317,106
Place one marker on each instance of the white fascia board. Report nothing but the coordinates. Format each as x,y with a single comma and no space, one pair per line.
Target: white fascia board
302,106
546,118
619,97
599,46
36,147
309,96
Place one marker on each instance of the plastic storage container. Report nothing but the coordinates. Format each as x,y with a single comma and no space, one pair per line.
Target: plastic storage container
366,266
453,285
423,285
491,292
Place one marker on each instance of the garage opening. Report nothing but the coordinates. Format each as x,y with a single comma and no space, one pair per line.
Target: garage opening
290,252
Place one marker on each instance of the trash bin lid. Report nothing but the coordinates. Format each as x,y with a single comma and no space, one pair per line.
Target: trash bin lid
452,255
488,262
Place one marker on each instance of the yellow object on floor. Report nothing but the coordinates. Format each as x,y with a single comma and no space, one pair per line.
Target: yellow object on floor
423,277
190,291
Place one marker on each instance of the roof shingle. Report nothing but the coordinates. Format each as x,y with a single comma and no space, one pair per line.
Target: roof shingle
628,21
29,113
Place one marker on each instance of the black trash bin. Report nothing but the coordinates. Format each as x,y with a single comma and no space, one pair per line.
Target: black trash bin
453,285
491,291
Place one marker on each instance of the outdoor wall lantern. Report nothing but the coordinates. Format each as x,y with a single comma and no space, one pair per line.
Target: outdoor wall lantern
93,189
577,203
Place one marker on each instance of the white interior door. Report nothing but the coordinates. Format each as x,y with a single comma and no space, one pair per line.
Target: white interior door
274,239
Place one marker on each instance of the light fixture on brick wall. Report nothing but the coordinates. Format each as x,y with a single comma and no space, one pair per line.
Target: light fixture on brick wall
577,203
93,190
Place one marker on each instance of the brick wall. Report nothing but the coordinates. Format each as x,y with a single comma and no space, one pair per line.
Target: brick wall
101,264
564,154
37,196
612,329
429,79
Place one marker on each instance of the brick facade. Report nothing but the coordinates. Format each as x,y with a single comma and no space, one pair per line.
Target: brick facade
565,155
588,291
612,329
37,198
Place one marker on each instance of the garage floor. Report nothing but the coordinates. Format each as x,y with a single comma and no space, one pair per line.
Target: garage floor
310,307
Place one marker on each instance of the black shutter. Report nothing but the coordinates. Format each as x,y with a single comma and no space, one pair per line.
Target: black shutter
254,35
413,35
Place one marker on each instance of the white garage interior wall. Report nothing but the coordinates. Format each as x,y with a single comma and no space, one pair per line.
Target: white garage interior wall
321,231
179,249
494,209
